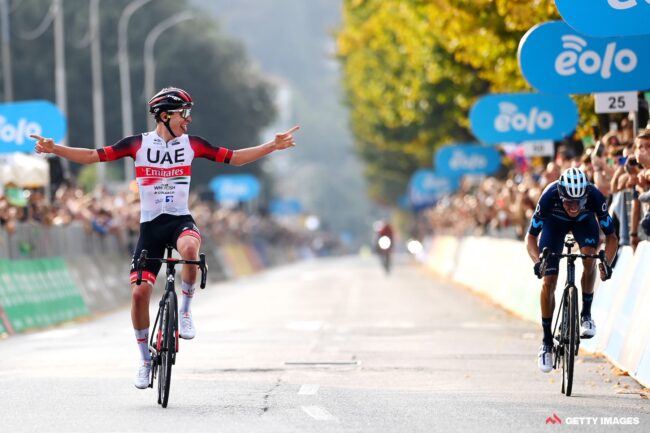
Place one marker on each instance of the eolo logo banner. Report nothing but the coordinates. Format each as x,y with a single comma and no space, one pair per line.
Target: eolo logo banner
554,58
20,119
604,18
517,117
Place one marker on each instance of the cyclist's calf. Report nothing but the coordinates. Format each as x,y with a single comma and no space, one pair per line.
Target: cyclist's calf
589,272
140,304
548,295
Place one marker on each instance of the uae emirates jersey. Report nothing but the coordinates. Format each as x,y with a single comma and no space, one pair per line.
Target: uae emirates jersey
163,170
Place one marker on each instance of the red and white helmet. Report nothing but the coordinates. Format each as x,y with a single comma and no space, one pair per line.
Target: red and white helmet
169,98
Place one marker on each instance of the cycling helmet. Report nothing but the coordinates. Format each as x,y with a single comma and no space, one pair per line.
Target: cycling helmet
573,185
169,99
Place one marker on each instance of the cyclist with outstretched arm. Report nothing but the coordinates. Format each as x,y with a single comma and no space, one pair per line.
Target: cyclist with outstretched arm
570,204
163,167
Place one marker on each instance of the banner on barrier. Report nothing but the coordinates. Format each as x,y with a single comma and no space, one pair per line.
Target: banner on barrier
38,293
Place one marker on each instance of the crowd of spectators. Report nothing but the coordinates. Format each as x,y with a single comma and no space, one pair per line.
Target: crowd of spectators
117,213
502,205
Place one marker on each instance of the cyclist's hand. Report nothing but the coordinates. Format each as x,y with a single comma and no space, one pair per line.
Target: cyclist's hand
43,145
605,271
285,140
538,269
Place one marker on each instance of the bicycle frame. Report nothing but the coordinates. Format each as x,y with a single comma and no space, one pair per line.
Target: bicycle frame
165,332
567,315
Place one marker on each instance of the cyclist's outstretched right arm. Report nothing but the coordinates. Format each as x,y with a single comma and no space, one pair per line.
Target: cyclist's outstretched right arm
75,154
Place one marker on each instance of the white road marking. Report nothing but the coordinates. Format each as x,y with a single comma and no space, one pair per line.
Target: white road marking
318,413
307,325
481,325
394,324
56,333
308,389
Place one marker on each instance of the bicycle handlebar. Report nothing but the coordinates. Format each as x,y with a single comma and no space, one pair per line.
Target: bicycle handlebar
546,253
203,267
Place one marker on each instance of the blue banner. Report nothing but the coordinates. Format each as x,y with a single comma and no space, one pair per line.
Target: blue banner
426,187
235,188
554,58
20,119
462,159
606,17
286,207
517,117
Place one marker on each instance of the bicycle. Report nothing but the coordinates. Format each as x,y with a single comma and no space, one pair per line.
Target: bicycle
567,317
165,328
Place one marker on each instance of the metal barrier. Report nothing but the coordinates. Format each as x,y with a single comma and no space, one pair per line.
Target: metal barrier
34,240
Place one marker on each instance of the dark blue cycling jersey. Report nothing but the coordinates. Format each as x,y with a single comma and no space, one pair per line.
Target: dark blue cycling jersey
550,206
554,223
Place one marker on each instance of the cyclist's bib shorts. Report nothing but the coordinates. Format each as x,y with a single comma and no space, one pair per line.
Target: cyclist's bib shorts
155,235
585,231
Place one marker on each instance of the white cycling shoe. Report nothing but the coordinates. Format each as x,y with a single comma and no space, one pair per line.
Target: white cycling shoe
187,331
545,358
143,376
587,327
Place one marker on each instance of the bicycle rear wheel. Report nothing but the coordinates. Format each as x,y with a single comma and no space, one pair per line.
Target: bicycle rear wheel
168,350
571,340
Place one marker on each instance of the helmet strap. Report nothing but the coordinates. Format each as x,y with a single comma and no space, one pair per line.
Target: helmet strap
166,123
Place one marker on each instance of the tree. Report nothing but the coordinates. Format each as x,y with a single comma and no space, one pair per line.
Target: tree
233,101
413,69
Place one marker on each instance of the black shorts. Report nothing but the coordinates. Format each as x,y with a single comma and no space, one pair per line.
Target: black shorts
585,232
155,235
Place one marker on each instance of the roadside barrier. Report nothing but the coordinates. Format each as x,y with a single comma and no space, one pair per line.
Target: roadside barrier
501,270
40,292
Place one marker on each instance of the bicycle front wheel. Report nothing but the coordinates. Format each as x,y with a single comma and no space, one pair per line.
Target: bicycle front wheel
571,342
168,350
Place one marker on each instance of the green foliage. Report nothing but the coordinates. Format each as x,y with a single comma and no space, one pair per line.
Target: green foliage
233,101
413,69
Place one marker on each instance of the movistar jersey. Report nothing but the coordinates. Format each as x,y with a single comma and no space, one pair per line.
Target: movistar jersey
550,206
163,169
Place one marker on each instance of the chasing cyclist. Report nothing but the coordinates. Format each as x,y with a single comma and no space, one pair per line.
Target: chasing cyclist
570,204
163,167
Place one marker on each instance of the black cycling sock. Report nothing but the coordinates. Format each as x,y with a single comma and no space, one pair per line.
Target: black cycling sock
548,335
587,298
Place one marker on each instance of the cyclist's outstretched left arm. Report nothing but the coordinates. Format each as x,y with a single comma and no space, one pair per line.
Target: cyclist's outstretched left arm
282,141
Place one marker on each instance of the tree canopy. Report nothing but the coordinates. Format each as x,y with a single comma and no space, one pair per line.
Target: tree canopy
233,102
413,69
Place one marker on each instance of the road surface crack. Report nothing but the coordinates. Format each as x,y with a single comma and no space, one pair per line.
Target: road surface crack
267,396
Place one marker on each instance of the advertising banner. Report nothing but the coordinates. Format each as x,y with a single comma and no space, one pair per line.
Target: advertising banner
606,17
20,119
463,159
38,293
516,117
554,58
426,187
235,188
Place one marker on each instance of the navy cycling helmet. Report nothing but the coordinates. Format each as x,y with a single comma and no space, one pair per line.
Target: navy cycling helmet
573,185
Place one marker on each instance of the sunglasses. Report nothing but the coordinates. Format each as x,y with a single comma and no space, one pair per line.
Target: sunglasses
572,202
184,112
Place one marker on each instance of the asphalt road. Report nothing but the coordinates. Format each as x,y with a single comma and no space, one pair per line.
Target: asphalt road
322,346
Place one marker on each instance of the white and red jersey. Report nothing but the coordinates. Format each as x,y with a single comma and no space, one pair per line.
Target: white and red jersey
163,169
